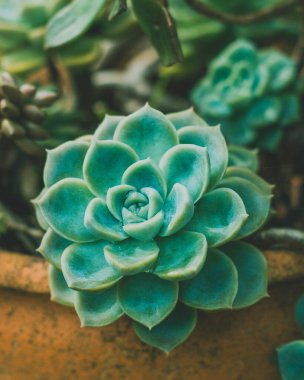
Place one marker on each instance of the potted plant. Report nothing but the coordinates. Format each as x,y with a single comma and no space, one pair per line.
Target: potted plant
143,219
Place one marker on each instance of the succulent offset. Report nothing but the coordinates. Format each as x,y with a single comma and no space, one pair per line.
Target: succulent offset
144,218
291,355
22,114
251,93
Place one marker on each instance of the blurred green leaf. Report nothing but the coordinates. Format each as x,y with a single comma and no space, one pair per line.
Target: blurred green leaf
72,21
158,24
118,8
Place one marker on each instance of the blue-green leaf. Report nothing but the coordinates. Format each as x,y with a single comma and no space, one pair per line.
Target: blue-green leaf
216,285
52,247
188,165
185,119
147,298
291,360
251,266
131,256
219,215
145,230
158,24
60,292
116,197
256,202
72,21
181,256
65,161
102,223
105,164
145,173
178,210
149,132
213,139
107,128
172,331
243,157
63,206
250,176
85,268
299,312
98,308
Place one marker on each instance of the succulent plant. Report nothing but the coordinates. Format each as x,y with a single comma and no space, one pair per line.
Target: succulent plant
22,114
144,219
291,355
251,93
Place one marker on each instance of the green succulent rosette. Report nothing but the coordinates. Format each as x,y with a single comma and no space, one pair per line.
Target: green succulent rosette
145,219
291,355
252,93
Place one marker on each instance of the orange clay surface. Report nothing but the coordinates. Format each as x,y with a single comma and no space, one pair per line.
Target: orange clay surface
40,340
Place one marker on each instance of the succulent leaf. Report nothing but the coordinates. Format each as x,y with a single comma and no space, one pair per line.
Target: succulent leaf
145,173
243,157
65,161
291,360
85,268
147,298
102,223
256,202
178,210
105,164
213,139
188,165
214,287
175,264
185,119
252,273
172,331
131,256
146,229
107,128
64,205
299,312
148,132
98,308
52,247
60,291
219,215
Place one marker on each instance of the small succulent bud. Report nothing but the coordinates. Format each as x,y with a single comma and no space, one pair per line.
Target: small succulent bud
28,90
45,98
21,113
33,113
36,132
12,93
8,109
12,129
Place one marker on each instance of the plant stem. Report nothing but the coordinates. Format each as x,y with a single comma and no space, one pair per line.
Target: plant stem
228,18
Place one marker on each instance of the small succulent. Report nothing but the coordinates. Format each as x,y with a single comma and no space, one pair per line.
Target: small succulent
291,355
22,114
251,93
144,219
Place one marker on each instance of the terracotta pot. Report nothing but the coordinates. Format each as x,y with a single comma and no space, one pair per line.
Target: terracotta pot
40,340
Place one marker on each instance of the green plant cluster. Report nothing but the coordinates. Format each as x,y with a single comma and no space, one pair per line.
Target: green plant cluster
22,38
291,355
251,93
145,219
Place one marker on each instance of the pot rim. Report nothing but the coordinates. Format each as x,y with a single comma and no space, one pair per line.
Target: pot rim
30,273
